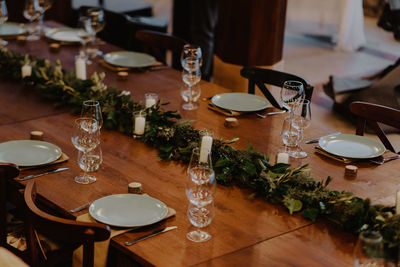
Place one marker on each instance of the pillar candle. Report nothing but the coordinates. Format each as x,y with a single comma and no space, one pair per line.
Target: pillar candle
205,148
80,68
140,123
282,158
26,70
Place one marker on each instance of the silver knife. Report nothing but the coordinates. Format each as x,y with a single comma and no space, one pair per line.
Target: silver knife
23,178
156,232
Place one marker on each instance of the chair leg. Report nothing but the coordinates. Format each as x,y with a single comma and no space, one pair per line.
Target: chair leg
88,254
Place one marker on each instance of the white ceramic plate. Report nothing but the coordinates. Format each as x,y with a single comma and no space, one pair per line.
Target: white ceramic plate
26,153
11,29
351,146
129,59
128,210
240,102
69,35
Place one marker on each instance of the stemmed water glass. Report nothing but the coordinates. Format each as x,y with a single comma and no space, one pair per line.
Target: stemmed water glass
291,92
85,33
191,60
85,137
92,109
32,12
98,23
44,6
3,18
301,120
200,190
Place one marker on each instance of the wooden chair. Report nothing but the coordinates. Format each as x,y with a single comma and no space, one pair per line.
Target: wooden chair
70,234
8,171
260,77
372,114
157,43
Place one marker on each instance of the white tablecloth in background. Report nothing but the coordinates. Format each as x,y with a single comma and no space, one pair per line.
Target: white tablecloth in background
343,20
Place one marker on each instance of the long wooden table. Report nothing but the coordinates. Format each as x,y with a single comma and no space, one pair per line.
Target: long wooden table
244,231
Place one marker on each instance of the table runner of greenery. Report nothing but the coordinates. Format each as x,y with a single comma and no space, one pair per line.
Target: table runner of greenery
295,188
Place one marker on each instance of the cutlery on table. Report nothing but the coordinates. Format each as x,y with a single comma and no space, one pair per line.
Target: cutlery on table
270,114
84,206
24,178
383,160
156,232
316,140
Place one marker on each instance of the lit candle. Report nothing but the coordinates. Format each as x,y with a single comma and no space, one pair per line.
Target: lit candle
205,148
26,70
282,158
80,68
151,99
140,123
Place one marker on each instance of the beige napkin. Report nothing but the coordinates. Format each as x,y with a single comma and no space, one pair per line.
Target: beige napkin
156,66
226,112
101,248
320,151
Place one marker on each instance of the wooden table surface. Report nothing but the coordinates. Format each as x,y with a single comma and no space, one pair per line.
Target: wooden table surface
244,231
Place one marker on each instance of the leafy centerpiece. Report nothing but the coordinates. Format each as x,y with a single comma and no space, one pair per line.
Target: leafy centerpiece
294,188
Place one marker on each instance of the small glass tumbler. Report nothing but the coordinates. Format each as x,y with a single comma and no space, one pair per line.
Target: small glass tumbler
150,99
139,123
369,250
289,134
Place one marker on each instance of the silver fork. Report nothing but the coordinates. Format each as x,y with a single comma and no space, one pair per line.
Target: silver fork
380,162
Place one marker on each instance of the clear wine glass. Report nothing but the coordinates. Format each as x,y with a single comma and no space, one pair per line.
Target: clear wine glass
191,94
301,120
85,33
44,6
200,217
98,23
32,13
369,250
289,134
92,160
291,92
3,18
85,137
92,109
191,58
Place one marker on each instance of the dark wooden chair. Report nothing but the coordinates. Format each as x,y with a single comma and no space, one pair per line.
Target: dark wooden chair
68,233
371,115
157,43
8,171
261,77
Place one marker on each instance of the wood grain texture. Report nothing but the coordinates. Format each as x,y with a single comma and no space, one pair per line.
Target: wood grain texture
251,231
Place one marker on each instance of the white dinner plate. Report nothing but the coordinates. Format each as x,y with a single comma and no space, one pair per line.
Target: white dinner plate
128,210
26,153
240,102
129,59
351,146
11,29
69,35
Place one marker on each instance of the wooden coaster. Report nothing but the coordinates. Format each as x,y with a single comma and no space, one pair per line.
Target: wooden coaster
350,171
122,75
135,188
37,135
54,47
231,122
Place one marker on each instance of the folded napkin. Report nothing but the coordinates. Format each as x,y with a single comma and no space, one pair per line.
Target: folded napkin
156,66
101,248
64,157
320,151
226,112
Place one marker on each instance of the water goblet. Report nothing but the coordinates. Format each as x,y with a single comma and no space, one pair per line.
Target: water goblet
98,23
85,137
301,120
92,109
291,92
32,11
85,33
3,18
191,93
92,160
369,250
44,6
191,58
200,217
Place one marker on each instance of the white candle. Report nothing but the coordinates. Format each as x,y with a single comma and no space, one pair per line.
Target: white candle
26,70
398,200
205,148
282,158
140,123
150,102
80,68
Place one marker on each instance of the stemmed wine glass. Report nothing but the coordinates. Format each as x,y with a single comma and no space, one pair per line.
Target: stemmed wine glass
301,120
200,190
291,92
85,33
32,12
44,6
3,18
85,137
92,109
191,60
98,23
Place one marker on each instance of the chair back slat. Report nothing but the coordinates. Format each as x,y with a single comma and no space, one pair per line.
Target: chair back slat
371,114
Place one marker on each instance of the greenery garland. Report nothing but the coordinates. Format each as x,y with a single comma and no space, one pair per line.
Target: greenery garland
294,188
